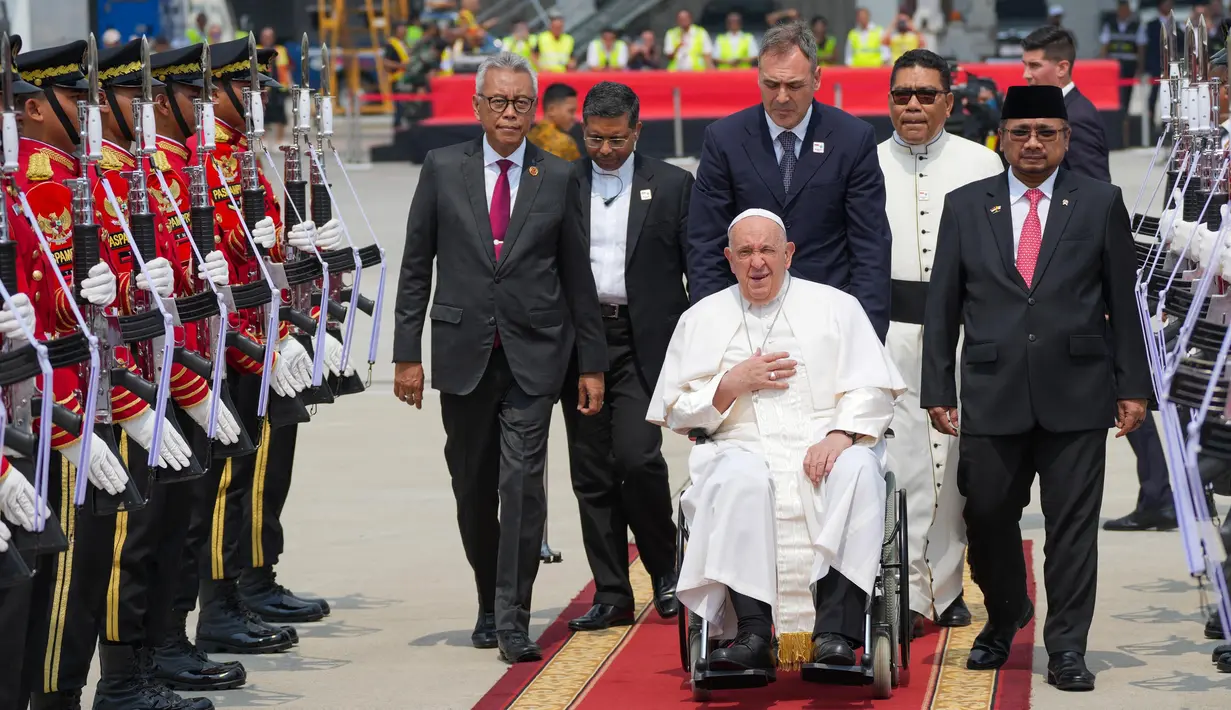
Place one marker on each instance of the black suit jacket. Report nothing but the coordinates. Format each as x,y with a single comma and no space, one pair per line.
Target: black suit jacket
835,213
655,255
542,277
1056,355
1087,143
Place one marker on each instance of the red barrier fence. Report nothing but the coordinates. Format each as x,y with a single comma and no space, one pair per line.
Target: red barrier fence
714,94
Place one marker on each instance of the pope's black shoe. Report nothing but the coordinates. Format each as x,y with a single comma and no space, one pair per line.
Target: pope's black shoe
746,652
59,700
516,647
992,645
273,602
832,650
1067,671
225,625
180,665
602,616
1213,627
484,635
956,615
1161,519
917,629
665,602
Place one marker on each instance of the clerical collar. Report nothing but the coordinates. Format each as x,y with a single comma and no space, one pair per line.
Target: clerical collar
917,149
770,305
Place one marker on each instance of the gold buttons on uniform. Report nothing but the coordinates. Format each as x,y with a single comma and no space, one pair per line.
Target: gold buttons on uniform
37,275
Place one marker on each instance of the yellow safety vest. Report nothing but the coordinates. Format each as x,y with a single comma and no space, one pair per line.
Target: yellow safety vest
866,50
524,47
729,50
554,53
403,57
901,43
607,60
694,56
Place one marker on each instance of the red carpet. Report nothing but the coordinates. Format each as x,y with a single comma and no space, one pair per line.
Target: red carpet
642,670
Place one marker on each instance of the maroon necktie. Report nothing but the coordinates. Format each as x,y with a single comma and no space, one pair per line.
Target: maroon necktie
1031,237
501,205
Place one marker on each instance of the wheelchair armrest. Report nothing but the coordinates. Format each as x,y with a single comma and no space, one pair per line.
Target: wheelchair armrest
699,436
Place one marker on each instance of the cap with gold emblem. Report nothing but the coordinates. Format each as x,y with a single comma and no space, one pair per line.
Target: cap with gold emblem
121,66
264,60
55,66
20,86
179,66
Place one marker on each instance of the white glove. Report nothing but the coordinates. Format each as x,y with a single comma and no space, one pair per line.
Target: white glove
264,233
99,288
1204,247
214,268
104,469
161,275
22,312
1181,235
17,500
292,370
227,430
5,536
303,237
174,451
329,236
333,356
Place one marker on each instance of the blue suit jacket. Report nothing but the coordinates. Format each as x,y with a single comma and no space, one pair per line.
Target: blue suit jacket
835,213
1087,142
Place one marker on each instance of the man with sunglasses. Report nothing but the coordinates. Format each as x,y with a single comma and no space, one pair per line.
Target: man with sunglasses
921,164
1038,266
514,295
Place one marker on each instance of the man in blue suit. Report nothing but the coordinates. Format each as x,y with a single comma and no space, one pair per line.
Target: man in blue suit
813,164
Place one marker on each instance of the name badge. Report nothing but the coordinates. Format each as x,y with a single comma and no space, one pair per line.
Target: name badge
818,147
923,195
645,194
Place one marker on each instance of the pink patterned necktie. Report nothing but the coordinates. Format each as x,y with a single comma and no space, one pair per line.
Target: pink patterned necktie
1031,238
499,212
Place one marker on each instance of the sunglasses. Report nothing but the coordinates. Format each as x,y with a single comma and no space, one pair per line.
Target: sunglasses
927,97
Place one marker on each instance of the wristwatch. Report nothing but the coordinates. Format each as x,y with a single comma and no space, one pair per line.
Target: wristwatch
853,435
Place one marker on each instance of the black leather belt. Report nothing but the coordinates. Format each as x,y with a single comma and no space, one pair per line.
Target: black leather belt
908,301
612,311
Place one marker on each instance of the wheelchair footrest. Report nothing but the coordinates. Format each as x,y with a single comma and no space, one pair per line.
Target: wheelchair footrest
734,680
835,675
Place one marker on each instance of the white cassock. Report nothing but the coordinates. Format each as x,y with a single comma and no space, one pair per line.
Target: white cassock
924,460
757,524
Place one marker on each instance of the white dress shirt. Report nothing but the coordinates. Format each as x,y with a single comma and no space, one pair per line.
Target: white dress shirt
1021,206
1067,88
491,171
799,130
609,230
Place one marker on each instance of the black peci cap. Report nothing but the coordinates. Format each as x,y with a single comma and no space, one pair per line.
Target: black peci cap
55,66
179,66
1035,101
121,66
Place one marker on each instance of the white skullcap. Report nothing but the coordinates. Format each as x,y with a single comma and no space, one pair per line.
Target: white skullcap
1055,11
756,212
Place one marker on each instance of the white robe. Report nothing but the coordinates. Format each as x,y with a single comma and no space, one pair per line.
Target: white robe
924,460
757,524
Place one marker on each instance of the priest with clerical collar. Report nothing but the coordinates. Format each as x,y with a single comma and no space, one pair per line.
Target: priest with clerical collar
794,391
921,163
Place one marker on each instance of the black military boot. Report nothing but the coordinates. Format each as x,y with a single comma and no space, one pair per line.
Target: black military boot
274,603
60,700
1213,627
180,665
123,684
226,625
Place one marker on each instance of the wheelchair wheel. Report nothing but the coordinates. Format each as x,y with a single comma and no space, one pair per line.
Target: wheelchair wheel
905,632
681,540
891,580
882,667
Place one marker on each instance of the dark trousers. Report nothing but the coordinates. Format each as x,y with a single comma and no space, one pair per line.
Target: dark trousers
619,474
995,474
841,608
261,539
1152,477
496,449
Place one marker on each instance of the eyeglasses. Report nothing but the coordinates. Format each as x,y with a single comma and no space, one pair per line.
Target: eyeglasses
927,97
746,253
1044,134
521,104
596,142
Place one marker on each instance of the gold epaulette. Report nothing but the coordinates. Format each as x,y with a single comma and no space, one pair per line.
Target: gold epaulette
39,167
160,161
221,133
115,160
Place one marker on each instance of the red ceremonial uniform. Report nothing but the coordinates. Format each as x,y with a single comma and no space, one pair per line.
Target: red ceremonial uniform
230,236
187,387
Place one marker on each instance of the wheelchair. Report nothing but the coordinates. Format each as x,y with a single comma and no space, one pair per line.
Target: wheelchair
887,625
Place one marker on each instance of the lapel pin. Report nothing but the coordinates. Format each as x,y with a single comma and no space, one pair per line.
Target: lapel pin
645,194
818,147
996,209
534,171
1065,203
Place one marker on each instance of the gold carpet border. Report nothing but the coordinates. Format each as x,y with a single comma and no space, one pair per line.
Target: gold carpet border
578,662
957,687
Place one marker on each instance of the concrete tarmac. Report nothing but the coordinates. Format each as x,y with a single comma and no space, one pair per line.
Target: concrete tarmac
371,526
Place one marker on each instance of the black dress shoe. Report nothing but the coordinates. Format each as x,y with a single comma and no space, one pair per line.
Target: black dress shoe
1161,519
273,602
1067,671
991,647
602,616
956,615
832,650
484,635
665,602
1221,651
746,652
1213,627
516,647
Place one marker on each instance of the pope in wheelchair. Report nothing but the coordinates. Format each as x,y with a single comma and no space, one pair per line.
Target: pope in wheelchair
790,393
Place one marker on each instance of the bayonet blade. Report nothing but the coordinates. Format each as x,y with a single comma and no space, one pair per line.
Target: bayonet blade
147,83
303,61
6,66
207,75
91,58
254,73
326,71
